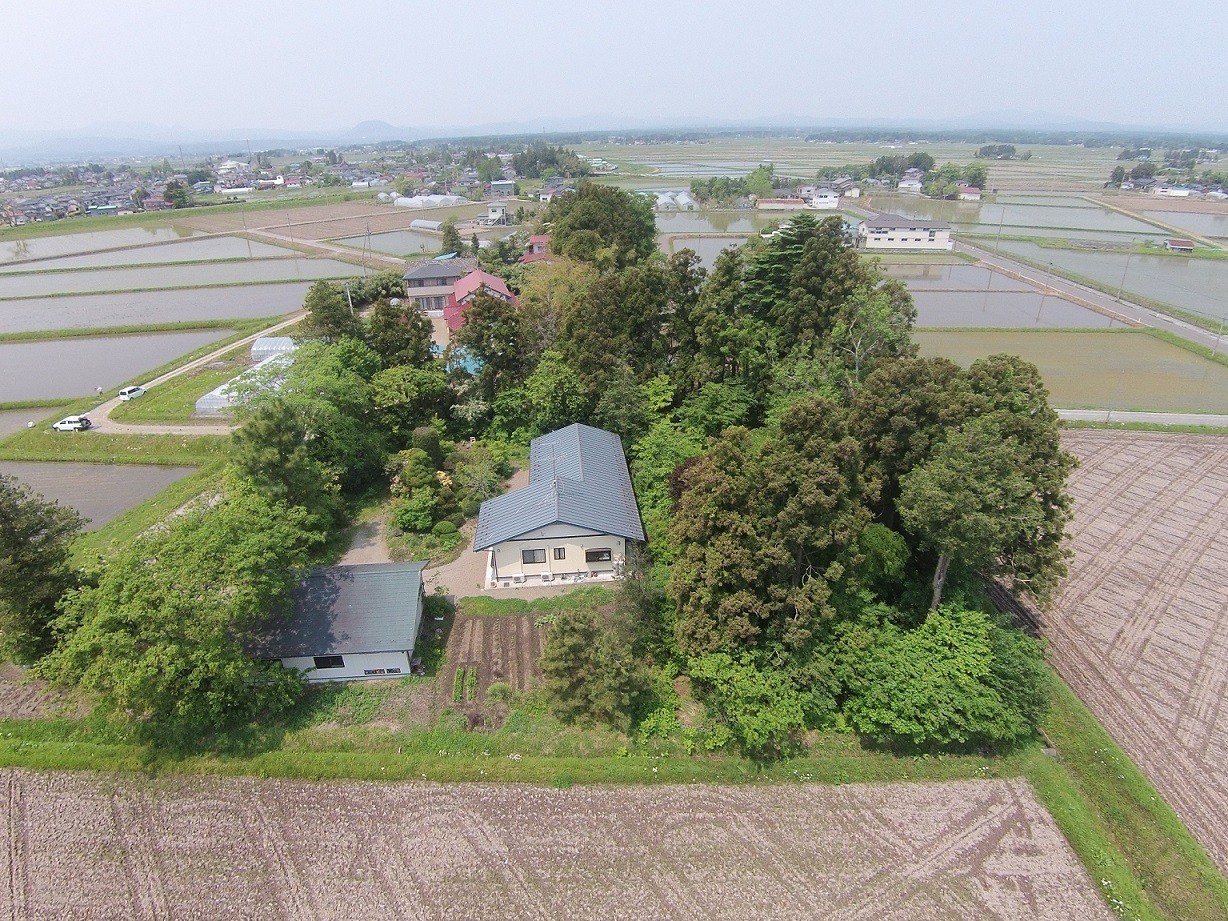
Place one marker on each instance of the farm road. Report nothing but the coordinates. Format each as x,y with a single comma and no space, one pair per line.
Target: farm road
101,415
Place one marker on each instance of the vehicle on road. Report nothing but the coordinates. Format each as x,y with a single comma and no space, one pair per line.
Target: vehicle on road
73,424
131,393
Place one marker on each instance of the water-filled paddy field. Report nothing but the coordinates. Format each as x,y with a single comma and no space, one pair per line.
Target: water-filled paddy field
956,277
1015,218
706,248
192,250
67,243
1199,285
1004,309
74,367
1106,370
90,311
98,491
395,242
35,284
1208,225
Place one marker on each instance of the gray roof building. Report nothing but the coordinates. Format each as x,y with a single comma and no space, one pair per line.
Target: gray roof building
342,610
445,271
577,476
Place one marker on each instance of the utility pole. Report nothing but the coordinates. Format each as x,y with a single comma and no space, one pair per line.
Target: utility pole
1122,287
349,298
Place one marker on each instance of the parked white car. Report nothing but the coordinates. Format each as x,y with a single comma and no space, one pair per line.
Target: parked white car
131,393
73,424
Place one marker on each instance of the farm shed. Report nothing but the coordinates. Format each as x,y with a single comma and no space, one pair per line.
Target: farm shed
421,223
573,520
351,622
221,399
268,346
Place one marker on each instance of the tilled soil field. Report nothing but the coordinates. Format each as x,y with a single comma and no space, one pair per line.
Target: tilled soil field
87,846
502,648
1140,628
326,222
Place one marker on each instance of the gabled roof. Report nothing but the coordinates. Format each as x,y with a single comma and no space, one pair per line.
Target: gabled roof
374,607
910,223
443,269
577,476
476,280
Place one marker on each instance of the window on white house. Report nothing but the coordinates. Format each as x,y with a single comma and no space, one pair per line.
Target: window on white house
533,556
560,553
329,661
597,556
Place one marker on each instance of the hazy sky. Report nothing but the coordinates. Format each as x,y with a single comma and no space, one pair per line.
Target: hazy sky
307,64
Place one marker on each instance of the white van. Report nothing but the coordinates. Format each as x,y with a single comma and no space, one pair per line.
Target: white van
131,393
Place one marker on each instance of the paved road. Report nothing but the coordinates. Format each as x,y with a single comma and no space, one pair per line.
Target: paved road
1113,415
1137,313
101,415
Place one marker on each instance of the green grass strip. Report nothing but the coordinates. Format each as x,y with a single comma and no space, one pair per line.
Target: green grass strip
1120,826
134,329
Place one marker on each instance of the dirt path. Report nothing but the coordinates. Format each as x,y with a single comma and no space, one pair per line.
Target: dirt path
95,847
101,415
368,546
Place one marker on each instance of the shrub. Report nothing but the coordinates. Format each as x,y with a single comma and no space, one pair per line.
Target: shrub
416,512
443,528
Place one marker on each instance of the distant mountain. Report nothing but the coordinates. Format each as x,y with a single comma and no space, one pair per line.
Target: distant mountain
143,140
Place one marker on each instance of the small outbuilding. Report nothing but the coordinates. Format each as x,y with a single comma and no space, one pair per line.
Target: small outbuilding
351,623
1179,246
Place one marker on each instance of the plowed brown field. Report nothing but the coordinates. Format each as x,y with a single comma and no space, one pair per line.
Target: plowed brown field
1140,628
103,847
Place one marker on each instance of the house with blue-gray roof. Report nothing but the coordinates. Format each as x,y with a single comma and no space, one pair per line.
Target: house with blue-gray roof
571,523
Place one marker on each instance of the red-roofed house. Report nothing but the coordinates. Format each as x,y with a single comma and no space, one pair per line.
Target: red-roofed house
969,193
1179,246
466,289
537,250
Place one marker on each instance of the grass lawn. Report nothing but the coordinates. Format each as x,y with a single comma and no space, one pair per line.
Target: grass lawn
119,532
175,400
39,444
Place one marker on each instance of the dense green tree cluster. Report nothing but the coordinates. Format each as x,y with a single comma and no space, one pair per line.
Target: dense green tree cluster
723,190
945,181
540,161
996,152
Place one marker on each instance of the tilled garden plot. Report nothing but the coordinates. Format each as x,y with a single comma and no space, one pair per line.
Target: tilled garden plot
1140,627
85,846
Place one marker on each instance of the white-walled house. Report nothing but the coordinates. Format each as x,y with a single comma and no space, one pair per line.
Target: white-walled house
891,231
824,200
573,520
351,623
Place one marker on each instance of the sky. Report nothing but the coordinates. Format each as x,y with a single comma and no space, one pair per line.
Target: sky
70,65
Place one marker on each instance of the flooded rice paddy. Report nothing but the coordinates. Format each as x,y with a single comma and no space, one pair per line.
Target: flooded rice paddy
743,221
1016,218
1106,370
1198,285
68,243
396,242
706,248
1207,225
186,251
987,308
920,276
74,367
147,307
14,420
98,491
36,284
